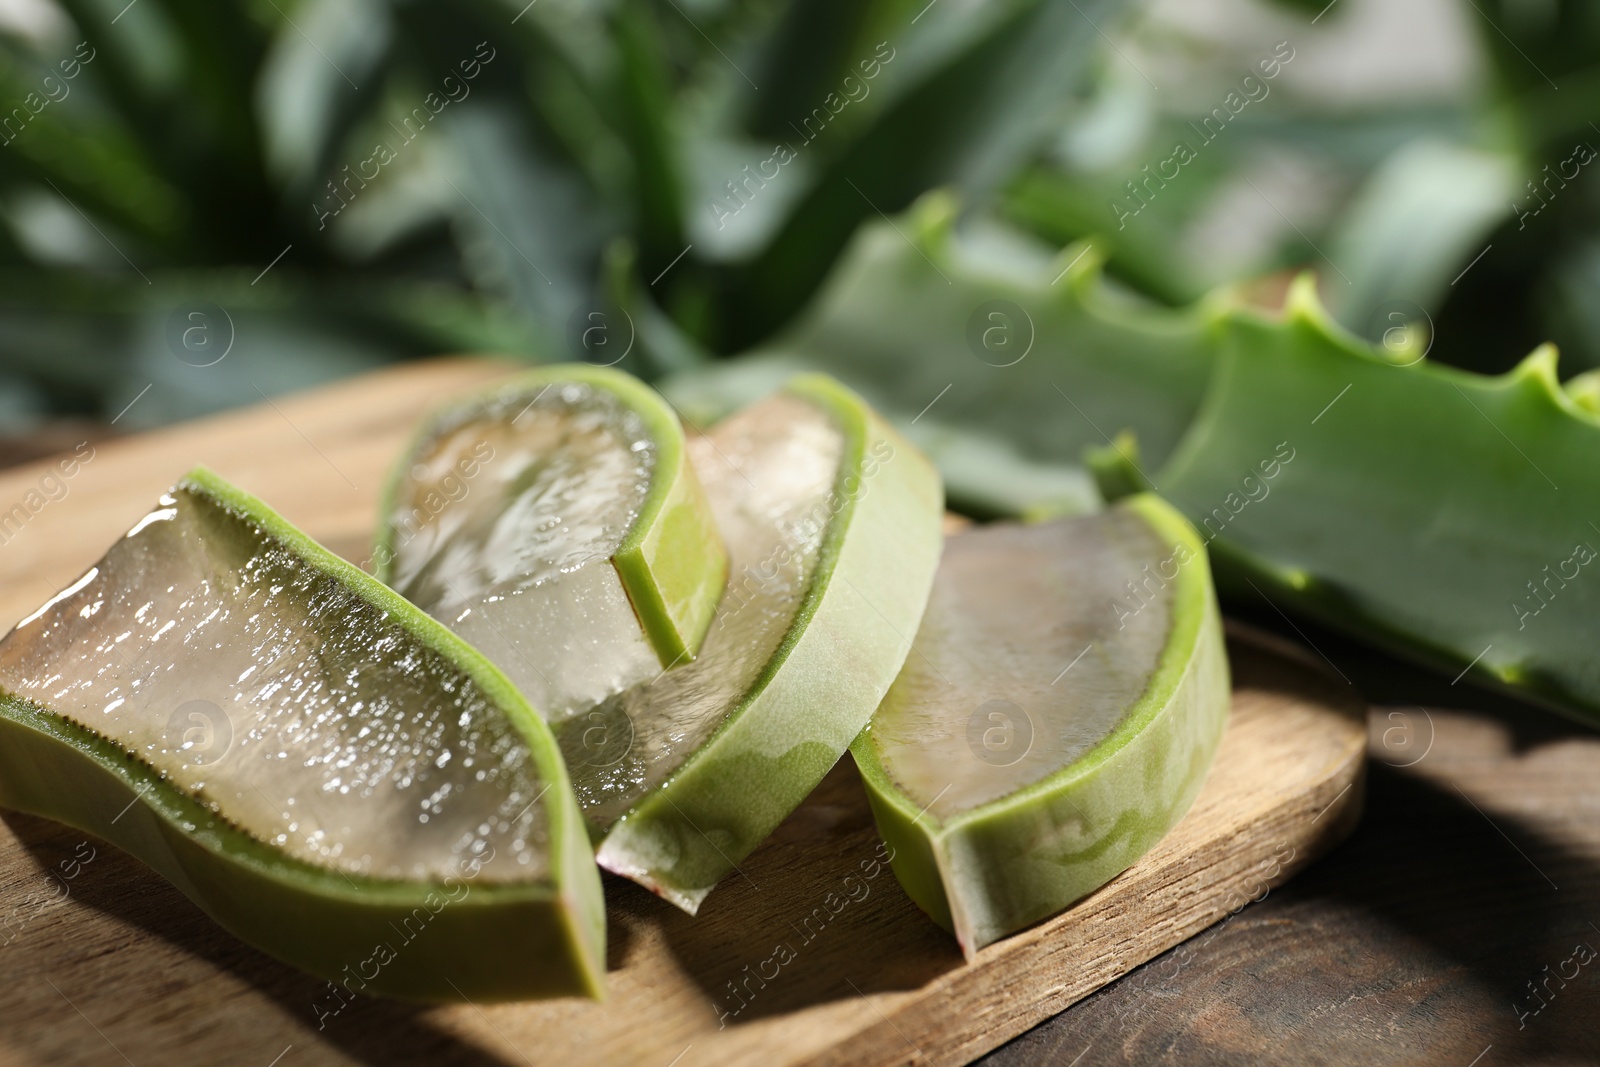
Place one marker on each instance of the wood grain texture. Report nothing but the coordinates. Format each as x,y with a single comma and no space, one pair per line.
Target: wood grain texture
811,955
1431,935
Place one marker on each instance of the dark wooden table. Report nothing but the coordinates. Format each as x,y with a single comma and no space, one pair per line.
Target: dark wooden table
1470,891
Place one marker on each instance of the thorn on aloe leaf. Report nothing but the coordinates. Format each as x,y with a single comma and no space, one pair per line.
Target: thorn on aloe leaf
1584,391
1115,466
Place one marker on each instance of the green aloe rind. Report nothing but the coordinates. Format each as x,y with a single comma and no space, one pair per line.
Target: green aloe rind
1442,513
991,870
444,940
671,561
843,648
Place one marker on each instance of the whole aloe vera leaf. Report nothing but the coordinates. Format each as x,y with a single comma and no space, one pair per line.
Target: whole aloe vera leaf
1445,514
1002,376
369,799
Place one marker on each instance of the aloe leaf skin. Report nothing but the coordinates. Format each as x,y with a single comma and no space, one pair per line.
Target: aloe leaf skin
989,870
1439,513
842,650
468,935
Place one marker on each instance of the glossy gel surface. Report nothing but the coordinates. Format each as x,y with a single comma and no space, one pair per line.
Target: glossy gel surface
769,473
1036,642
275,695
506,530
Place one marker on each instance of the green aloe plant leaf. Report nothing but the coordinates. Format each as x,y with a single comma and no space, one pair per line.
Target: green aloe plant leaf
1438,512
972,104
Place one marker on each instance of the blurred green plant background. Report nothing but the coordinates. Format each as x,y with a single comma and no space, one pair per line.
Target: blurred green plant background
205,202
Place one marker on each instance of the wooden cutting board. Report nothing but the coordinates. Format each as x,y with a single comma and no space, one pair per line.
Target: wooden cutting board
103,962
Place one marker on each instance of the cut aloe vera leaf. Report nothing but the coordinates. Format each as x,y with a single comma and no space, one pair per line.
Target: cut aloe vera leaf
1066,695
329,773
1435,512
833,527
556,524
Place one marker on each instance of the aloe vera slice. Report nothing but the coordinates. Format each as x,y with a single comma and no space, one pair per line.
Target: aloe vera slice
1067,692
833,528
330,774
555,523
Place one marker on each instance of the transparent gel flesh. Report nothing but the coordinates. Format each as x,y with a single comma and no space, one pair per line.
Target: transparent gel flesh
505,530
769,473
277,697
1036,641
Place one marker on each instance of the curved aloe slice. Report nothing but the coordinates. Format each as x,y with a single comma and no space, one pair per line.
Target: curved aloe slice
1068,691
833,526
326,771
556,524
